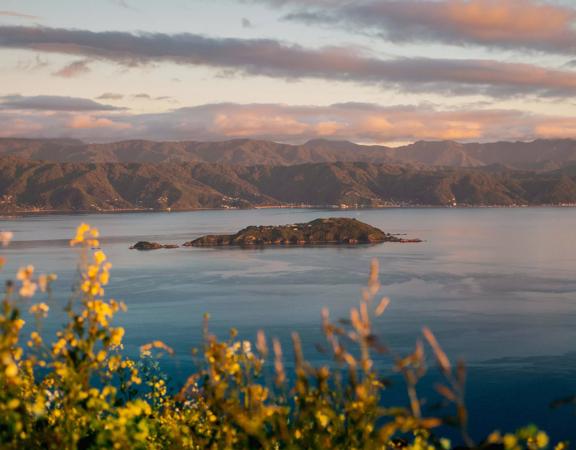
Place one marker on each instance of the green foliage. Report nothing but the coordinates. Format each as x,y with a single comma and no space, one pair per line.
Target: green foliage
80,391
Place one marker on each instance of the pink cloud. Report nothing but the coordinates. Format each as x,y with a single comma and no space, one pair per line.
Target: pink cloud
87,121
358,122
20,127
73,69
251,123
557,129
524,24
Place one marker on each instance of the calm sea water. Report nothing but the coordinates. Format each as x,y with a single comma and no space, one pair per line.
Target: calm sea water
497,286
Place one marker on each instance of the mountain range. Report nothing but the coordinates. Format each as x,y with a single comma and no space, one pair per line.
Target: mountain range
27,185
70,175
535,155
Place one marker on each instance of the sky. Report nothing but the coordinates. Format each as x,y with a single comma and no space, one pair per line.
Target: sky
369,71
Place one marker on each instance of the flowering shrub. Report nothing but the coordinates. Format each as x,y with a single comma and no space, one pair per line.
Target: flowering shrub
78,390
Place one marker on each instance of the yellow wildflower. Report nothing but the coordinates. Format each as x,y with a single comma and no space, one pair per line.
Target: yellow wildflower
542,439
45,280
11,368
35,339
92,271
80,232
104,278
510,441
59,346
156,344
99,257
39,309
19,323
28,287
322,418
114,363
116,336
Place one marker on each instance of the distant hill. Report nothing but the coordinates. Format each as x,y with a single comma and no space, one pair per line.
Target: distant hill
536,155
79,186
244,152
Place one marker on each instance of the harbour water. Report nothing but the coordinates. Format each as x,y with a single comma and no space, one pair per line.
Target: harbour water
497,287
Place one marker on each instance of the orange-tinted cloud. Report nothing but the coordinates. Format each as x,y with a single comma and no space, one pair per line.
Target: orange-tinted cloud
522,24
557,129
358,122
249,123
89,122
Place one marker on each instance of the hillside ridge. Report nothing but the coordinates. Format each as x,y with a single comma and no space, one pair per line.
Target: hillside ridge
535,155
27,185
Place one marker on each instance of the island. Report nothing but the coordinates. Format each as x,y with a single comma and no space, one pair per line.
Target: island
317,232
145,245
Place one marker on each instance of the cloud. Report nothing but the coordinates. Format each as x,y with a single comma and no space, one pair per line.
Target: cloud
359,122
52,103
17,126
74,69
91,122
562,128
18,15
271,58
511,24
246,23
162,98
166,98
317,3
95,126
110,96
113,96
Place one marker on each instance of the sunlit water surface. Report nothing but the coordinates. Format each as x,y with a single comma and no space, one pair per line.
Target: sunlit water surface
497,286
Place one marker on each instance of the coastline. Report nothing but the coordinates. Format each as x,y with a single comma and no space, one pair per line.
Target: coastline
42,212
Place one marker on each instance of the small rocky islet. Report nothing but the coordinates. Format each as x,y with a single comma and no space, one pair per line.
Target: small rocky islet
317,232
146,245
334,231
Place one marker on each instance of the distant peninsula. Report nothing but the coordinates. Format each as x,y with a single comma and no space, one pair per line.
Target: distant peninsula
317,232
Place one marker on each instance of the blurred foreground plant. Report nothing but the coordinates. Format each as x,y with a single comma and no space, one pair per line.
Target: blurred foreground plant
77,390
